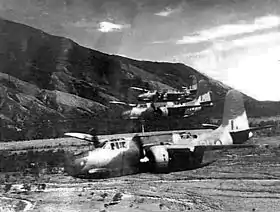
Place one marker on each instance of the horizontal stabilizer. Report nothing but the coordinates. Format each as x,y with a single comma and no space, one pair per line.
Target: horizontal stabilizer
260,128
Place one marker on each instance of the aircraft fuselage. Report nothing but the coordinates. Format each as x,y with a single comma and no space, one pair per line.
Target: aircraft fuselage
123,156
116,158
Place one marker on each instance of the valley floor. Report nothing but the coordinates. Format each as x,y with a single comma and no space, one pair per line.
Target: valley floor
240,180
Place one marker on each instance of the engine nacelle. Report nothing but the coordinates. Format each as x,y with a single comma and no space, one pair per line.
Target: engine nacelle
164,111
158,158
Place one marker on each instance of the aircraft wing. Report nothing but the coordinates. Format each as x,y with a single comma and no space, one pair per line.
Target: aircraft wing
171,132
122,103
204,148
139,89
210,126
214,126
176,107
197,152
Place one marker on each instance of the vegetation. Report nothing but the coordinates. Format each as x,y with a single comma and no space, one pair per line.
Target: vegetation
50,85
32,161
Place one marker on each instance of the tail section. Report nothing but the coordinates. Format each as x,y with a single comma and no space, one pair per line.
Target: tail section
235,116
235,119
203,95
193,86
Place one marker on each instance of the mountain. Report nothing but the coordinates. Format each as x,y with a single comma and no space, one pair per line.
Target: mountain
50,85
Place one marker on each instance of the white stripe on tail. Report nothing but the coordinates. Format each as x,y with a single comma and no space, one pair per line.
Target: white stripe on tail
235,116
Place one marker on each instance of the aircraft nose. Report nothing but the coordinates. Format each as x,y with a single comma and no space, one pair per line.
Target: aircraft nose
142,96
126,114
74,164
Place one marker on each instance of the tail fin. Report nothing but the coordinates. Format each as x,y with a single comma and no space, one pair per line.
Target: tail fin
176,138
193,86
234,117
203,95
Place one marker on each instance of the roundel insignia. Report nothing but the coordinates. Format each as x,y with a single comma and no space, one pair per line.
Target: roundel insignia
218,142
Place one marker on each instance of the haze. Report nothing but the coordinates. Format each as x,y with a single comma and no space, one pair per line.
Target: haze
237,41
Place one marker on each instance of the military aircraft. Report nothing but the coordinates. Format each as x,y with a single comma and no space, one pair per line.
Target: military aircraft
153,110
183,95
128,155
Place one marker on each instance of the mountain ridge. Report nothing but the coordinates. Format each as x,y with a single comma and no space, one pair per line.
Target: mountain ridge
51,84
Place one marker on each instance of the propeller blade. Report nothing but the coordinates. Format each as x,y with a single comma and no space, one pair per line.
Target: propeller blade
87,137
82,136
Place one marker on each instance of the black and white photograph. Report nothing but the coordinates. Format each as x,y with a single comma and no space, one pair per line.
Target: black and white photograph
139,105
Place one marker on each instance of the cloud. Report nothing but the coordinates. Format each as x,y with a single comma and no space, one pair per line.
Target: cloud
257,74
226,54
162,41
106,26
166,12
85,23
250,64
247,42
261,23
103,26
256,39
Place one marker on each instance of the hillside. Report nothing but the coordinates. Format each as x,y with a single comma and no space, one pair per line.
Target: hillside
50,84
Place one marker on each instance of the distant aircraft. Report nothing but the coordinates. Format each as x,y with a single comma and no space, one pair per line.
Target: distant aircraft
186,94
130,155
159,109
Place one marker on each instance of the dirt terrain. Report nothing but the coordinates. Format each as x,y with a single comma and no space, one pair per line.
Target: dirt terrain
240,180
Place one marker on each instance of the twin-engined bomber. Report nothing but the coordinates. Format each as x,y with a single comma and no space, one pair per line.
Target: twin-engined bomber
129,155
183,95
151,110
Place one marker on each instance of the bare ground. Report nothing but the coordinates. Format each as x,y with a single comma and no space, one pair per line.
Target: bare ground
240,180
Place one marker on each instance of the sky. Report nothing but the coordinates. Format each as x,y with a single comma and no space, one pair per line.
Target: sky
234,41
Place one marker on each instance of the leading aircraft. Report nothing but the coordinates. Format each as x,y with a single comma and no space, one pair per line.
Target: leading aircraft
130,155
183,95
154,110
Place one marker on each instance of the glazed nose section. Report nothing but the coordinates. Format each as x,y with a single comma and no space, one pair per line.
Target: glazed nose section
126,114
74,165
68,164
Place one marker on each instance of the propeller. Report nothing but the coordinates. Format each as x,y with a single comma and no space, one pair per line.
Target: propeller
86,137
83,136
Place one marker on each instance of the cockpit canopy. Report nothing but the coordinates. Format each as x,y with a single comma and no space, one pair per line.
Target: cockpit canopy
116,143
141,106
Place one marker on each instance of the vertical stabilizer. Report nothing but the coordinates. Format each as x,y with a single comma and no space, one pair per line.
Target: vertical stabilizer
234,117
203,95
176,138
194,83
